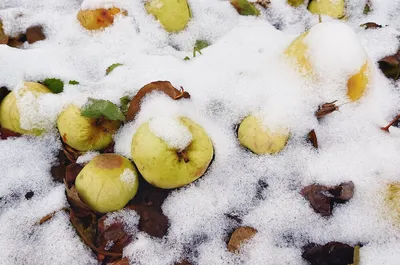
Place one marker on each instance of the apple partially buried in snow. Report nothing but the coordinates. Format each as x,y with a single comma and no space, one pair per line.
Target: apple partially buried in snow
253,135
9,112
335,48
174,15
107,183
166,166
333,8
84,133
98,18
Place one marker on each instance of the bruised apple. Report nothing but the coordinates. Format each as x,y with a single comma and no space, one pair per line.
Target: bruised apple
173,15
333,8
94,19
328,46
84,133
260,140
169,167
9,113
107,183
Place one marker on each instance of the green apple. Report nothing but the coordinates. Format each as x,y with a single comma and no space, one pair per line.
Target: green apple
166,167
333,8
174,15
107,183
9,112
298,50
260,140
295,3
84,133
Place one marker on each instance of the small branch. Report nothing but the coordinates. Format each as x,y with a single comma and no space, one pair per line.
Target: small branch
49,216
386,128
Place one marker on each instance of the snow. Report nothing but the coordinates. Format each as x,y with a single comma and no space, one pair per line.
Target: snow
242,72
86,157
128,218
128,176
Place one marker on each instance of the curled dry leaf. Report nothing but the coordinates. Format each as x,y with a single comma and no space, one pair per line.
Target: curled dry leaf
390,66
34,34
263,3
71,153
113,237
17,41
162,86
312,138
322,198
333,253
77,205
152,220
370,25
71,172
239,237
326,109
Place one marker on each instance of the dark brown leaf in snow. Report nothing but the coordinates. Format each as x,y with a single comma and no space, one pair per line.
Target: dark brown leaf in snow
322,198
113,237
312,138
239,237
3,92
77,205
183,262
71,172
326,109
370,25
17,41
152,220
162,86
58,171
390,66
4,133
34,34
71,153
263,3
333,253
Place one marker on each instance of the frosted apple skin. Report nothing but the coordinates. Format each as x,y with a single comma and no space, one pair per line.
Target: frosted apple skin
97,18
84,133
254,137
356,84
161,166
9,113
100,186
333,8
173,15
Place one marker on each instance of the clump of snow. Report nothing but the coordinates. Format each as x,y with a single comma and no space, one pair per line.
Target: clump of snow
172,131
86,157
128,218
128,176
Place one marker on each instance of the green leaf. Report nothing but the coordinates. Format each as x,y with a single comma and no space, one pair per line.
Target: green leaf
112,67
124,104
55,85
73,82
245,8
186,58
367,8
201,44
97,108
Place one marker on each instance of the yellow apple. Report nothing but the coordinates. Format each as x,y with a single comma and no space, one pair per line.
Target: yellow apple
9,113
298,52
174,15
295,3
84,133
98,18
107,183
333,8
260,140
166,167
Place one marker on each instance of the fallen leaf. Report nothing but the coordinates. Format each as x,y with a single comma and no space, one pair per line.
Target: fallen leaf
54,84
97,108
183,262
322,198
71,172
3,36
34,34
73,82
71,153
162,86
58,170
367,8
245,8
370,25
77,205
152,220
333,253
17,41
239,237
124,261
112,67
326,109
263,3
124,101
312,138
4,134
113,237
390,66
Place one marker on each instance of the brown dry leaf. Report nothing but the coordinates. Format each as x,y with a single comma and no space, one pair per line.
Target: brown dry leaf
71,153
58,171
390,66
113,234
263,3
17,41
162,86
326,109
4,134
239,237
370,25
3,36
34,34
124,261
152,220
71,172
322,198
312,138
77,205
183,262
333,253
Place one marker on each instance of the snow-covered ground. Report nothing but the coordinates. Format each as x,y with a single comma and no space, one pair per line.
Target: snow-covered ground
243,71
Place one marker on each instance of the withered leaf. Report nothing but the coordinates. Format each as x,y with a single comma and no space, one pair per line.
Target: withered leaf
152,220
322,198
162,86
58,170
4,134
370,25
326,109
390,66
77,205
17,41
239,237
34,34
113,234
71,172
333,253
71,153
312,138
183,262
3,36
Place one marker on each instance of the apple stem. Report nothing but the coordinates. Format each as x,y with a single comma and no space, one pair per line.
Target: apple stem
183,155
386,128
